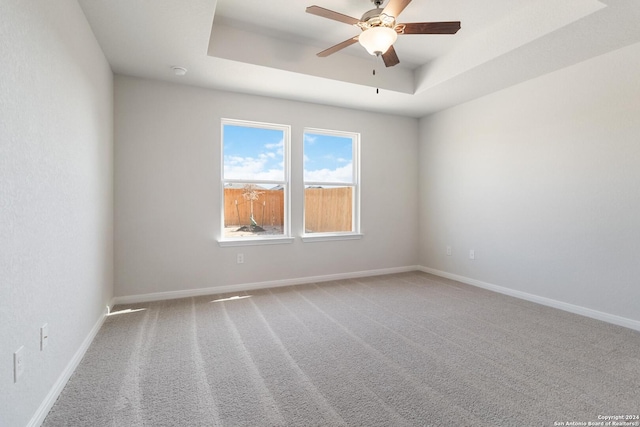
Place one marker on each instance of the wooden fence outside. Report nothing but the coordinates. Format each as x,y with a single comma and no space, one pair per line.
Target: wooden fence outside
268,209
326,209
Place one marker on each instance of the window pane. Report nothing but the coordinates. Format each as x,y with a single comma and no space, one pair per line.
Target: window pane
255,174
328,158
252,153
253,210
328,209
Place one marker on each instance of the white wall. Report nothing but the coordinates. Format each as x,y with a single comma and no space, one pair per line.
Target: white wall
543,181
56,194
167,170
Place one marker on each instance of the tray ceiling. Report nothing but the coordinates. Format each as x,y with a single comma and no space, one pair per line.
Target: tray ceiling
268,48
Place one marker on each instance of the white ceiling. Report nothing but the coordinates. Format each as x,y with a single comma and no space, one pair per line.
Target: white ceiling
268,48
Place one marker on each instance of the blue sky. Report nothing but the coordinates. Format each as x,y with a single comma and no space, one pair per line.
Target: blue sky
328,158
253,153
257,154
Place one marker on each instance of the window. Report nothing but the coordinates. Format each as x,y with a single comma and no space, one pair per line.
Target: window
331,184
255,179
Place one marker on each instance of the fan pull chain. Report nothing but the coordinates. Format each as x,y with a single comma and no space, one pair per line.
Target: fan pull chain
374,73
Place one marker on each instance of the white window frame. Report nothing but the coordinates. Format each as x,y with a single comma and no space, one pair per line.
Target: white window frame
355,209
285,237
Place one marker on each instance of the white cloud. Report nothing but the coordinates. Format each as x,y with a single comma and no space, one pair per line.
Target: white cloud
262,167
241,168
276,145
341,174
279,146
310,139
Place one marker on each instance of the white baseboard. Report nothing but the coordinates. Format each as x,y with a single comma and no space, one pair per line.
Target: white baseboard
187,293
576,309
52,396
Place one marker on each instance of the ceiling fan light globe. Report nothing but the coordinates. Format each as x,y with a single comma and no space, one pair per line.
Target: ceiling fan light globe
377,40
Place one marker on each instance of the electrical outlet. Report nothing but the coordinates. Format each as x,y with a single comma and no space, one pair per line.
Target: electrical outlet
448,250
18,364
44,336
472,254
240,259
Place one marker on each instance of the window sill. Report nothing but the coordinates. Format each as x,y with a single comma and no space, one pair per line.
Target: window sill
310,238
255,242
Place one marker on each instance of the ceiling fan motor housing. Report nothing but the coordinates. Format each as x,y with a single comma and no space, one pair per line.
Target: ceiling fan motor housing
375,18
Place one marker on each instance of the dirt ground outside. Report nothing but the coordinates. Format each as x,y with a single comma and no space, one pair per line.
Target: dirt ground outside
269,230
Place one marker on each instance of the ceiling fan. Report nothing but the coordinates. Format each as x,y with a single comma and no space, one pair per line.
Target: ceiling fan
380,30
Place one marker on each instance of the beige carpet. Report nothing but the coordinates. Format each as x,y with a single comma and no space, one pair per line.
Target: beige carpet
400,350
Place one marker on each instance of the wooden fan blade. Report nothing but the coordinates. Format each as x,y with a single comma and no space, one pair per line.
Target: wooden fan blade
390,57
339,46
330,14
429,28
395,7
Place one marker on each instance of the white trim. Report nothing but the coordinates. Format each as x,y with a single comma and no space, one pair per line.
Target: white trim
58,386
286,183
160,296
252,241
326,237
355,184
112,302
571,308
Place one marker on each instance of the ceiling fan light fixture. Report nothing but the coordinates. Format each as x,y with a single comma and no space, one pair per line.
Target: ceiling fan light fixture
377,40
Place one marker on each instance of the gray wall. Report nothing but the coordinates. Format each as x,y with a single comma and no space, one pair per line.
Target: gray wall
56,194
167,208
543,181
